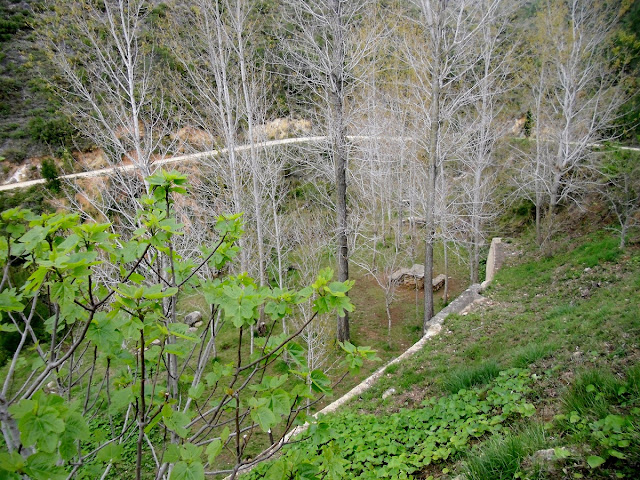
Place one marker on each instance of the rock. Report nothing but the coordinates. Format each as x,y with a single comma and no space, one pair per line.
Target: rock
198,324
192,318
262,329
409,276
438,282
418,221
546,455
518,125
585,293
51,387
157,341
192,329
388,393
587,270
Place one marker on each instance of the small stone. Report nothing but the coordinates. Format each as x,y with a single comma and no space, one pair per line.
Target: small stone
587,270
198,324
388,393
157,341
192,329
192,318
546,455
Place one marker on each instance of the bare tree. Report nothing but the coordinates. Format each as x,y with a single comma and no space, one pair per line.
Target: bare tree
111,85
323,48
438,52
481,126
226,98
577,97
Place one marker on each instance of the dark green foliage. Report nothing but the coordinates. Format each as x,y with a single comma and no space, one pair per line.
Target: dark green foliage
467,377
15,155
625,58
52,131
8,88
31,198
12,21
50,174
526,208
404,443
528,124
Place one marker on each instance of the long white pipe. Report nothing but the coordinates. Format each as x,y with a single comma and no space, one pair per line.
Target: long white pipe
214,153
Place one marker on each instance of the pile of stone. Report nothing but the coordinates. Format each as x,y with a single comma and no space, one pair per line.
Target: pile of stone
415,276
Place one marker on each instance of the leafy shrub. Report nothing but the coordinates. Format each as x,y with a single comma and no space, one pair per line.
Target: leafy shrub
604,412
15,155
50,174
56,131
91,313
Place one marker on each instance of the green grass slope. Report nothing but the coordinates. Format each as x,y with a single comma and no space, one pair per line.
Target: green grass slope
541,379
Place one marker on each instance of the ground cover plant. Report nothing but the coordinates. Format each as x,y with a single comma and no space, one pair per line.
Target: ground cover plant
401,444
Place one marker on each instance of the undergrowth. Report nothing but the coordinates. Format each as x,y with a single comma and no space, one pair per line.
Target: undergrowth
501,457
405,443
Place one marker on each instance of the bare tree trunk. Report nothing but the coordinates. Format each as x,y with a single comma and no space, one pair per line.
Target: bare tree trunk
338,147
445,294
432,170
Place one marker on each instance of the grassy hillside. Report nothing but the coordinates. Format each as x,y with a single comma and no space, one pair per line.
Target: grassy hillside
547,363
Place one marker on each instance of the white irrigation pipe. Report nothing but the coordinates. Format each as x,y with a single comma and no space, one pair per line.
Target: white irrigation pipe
214,153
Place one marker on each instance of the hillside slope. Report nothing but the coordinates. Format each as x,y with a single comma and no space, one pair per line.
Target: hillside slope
546,363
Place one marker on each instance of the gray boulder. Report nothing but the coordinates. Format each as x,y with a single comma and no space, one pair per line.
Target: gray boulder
192,318
388,393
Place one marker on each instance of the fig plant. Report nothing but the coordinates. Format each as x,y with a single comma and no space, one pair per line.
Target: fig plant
116,353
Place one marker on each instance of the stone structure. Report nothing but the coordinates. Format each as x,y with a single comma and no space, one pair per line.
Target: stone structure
415,276
494,260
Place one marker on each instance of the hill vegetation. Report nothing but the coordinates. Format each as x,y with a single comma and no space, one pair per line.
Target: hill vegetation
177,325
